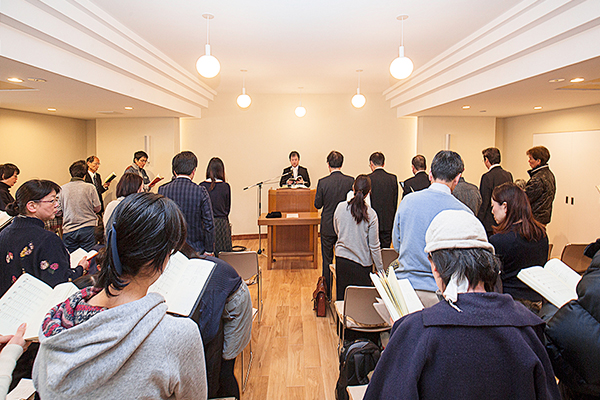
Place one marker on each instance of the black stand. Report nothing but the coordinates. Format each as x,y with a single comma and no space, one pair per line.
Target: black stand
260,185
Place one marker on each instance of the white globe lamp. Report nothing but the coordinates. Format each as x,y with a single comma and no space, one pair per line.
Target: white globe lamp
300,111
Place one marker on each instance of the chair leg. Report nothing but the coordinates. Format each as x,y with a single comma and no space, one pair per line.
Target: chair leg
245,378
260,301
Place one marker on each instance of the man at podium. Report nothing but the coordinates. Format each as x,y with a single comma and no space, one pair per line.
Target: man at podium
295,173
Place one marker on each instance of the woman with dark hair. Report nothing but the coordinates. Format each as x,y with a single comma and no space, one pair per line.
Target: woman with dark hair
8,178
357,247
140,158
115,340
26,247
128,184
477,344
219,192
519,240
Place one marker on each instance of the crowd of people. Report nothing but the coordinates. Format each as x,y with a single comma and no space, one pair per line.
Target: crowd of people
460,247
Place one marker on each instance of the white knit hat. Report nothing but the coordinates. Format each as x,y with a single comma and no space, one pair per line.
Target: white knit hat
456,229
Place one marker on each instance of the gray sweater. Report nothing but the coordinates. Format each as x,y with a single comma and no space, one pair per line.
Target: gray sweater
133,351
357,242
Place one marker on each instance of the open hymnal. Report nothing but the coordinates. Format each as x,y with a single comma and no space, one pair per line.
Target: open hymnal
78,254
156,180
398,296
28,300
182,282
110,178
556,281
4,219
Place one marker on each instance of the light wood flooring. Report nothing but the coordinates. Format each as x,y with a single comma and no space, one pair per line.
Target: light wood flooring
295,353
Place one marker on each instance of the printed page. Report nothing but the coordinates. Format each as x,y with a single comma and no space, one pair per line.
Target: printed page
413,303
385,296
21,304
563,272
396,291
78,254
4,218
24,390
182,282
548,285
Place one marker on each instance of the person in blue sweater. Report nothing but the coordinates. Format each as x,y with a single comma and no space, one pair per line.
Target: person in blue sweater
414,215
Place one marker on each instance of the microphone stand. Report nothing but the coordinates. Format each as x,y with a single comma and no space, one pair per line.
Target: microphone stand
260,185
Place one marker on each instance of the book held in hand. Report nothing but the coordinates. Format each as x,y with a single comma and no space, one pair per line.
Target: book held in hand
110,178
555,281
398,296
78,254
156,180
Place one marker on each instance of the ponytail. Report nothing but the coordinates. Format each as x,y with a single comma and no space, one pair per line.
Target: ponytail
358,207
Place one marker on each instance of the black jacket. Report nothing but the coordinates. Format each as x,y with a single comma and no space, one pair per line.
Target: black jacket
574,336
331,190
99,188
418,182
287,174
384,197
494,177
5,196
540,190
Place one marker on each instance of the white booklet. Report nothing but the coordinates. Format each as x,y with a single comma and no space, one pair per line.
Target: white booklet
556,281
398,296
4,219
182,282
29,300
78,254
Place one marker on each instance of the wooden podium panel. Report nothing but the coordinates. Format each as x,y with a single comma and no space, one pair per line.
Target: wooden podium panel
292,240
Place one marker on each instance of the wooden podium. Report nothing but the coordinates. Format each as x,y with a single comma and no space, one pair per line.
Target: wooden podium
292,237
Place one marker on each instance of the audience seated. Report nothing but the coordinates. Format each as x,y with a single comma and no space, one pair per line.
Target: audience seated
474,345
357,247
520,242
573,338
116,340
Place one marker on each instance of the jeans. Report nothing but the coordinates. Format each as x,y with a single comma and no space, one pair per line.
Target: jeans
82,237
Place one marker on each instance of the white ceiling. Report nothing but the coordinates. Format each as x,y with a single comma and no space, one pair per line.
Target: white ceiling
318,45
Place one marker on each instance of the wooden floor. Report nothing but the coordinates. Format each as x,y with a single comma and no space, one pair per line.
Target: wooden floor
295,353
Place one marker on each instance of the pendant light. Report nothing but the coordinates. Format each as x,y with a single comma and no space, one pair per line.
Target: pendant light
358,100
207,65
243,100
300,111
402,66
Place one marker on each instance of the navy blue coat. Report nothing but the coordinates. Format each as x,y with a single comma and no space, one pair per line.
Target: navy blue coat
194,203
490,350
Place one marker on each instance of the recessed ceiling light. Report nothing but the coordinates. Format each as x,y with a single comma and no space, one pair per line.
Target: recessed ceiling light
129,108
482,110
556,80
537,107
36,79
17,80
575,80
52,109
466,107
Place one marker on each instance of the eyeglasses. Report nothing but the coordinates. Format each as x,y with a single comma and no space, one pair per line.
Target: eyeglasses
53,201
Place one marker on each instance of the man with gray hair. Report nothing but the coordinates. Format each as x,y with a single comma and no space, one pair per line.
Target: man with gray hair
413,217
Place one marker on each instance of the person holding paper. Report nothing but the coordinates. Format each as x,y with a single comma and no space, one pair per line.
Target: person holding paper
357,247
12,347
116,340
295,173
93,177
519,240
140,158
476,344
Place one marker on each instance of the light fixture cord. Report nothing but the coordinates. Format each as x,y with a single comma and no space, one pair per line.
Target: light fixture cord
243,80
402,31
207,31
359,81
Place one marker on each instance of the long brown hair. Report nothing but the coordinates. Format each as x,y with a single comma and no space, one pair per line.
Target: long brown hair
214,171
518,213
358,207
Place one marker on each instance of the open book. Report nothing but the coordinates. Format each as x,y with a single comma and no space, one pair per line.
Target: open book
182,283
398,296
4,219
110,178
78,254
556,281
156,180
29,300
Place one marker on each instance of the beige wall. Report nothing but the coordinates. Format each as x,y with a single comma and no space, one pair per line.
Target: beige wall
468,136
42,146
518,133
118,138
254,143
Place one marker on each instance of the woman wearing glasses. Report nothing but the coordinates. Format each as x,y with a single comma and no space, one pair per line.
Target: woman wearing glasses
26,247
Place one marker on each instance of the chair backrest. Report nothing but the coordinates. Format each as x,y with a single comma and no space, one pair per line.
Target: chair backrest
572,255
244,262
358,304
388,255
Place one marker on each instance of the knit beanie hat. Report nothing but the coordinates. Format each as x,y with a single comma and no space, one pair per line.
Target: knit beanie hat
456,229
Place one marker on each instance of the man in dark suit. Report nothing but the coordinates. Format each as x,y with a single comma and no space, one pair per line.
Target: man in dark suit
331,190
420,180
294,173
495,176
384,197
193,201
93,177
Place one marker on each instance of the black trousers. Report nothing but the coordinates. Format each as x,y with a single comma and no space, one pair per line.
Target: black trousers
327,244
348,273
385,239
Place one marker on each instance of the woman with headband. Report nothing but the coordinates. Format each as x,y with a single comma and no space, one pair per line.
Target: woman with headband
477,344
116,340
